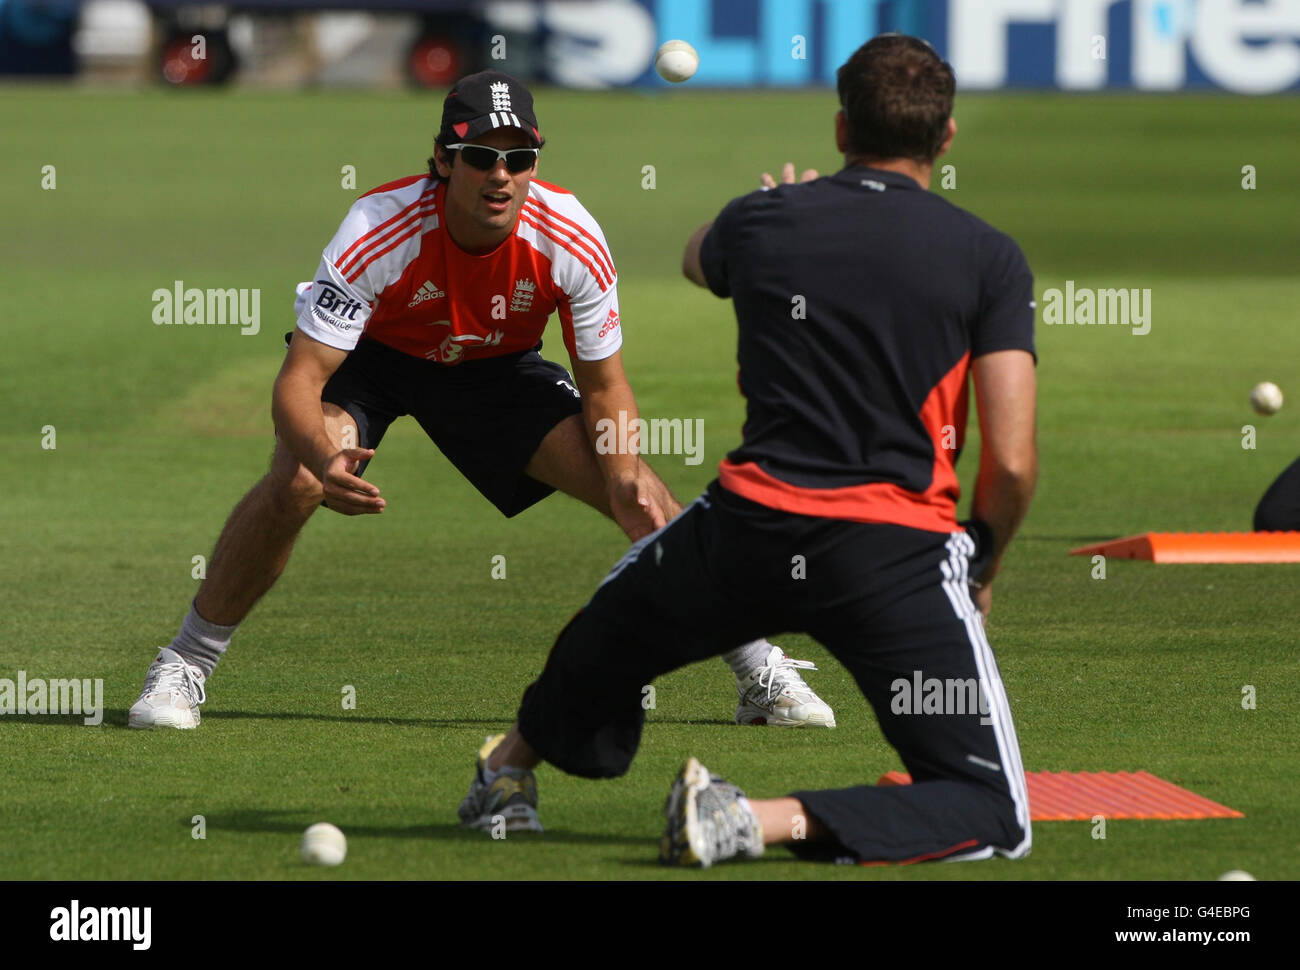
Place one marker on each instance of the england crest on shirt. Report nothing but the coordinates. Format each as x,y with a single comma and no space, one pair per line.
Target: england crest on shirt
522,299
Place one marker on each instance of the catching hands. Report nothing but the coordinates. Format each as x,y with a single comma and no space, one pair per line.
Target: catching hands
638,505
787,176
344,491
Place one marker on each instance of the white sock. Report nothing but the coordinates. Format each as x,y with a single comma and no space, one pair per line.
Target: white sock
202,643
744,659
755,847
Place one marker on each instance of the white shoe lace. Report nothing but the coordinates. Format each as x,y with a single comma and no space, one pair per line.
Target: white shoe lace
174,676
789,679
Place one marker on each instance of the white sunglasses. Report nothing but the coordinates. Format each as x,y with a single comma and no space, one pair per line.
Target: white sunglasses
481,157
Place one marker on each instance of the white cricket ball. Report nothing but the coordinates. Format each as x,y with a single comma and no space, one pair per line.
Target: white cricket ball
1266,397
324,845
676,61
1236,875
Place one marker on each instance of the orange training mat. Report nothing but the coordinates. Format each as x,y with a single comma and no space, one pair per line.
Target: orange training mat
1201,547
1076,796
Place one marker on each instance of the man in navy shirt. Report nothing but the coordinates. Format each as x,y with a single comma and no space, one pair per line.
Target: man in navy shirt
1279,509
865,307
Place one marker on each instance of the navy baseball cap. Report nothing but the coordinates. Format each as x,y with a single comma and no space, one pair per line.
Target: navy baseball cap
479,103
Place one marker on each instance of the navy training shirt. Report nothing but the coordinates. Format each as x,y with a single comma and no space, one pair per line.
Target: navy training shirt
861,300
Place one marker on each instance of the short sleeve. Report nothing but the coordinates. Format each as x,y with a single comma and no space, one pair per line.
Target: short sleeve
1006,312
360,261
587,284
332,310
715,247
591,316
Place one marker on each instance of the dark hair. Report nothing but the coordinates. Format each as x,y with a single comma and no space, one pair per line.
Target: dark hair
437,143
897,98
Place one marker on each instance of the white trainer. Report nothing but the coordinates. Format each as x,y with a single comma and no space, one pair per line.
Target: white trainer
775,694
173,691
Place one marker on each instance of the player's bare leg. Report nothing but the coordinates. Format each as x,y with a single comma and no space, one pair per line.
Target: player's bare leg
251,553
566,461
768,683
258,538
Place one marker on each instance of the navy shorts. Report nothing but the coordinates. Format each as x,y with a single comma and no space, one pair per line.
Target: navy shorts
487,416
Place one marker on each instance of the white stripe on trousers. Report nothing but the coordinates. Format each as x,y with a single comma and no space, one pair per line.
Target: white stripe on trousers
631,555
955,583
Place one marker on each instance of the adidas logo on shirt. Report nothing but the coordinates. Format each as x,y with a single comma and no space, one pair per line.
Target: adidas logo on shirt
429,291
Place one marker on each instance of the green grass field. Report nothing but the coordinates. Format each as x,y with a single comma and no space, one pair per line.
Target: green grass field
160,430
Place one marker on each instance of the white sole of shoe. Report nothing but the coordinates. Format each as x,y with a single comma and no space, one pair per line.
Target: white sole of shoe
696,778
181,721
517,818
757,715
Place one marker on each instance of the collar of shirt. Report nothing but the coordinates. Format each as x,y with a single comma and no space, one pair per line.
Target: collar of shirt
865,174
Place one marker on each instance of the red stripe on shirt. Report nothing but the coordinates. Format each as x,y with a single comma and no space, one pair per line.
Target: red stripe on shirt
369,254
934,510
588,241
413,231
383,226
552,186
395,184
551,233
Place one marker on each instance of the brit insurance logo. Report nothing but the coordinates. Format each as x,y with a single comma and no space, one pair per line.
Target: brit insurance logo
521,301
334,307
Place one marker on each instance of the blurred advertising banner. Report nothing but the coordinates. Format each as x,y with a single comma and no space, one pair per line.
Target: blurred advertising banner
1243,46
36,37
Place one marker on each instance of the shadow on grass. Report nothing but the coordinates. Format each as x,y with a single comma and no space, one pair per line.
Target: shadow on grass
294,821
652,861
503,721
111,719
118,719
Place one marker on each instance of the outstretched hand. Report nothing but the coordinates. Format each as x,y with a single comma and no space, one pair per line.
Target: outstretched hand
787,176
344,491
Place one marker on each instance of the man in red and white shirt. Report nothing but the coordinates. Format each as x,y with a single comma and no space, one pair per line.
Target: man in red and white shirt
431,300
